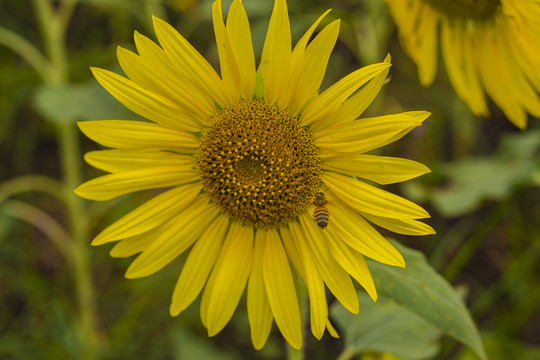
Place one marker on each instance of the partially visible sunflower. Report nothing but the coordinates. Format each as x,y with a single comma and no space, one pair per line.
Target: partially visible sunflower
488,46
243,157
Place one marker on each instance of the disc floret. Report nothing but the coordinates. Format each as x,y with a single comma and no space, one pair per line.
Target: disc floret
258,163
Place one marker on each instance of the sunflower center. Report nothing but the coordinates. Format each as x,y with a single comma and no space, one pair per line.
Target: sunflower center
467,9
258,163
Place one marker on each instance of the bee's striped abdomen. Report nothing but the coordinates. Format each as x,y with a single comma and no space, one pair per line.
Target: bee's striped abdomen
321,216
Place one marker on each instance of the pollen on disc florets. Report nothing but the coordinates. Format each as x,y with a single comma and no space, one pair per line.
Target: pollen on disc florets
258,163
467,9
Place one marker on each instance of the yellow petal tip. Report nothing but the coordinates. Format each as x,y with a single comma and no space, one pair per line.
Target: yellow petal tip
120,51
318,335
258,344
80,192
212,331
158,22
133,274
100,240
174,310
296,346
96,70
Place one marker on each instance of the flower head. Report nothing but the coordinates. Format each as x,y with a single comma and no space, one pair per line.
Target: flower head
244,155
488,46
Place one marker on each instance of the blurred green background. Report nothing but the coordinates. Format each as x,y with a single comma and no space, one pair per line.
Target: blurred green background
483,192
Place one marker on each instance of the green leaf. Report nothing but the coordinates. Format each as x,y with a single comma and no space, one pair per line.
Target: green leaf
189,346
470,181
424,292
89,101
386,327
473,181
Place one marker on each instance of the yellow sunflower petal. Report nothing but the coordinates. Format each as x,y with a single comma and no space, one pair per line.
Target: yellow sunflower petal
227,60
333,333
428,47
130,246
337,280
452,50
161,81
173,238
316,290
293,250
354,106
372,200
418,116
191,66
151,51
361,236
297,67
381,169
462,72
470,41
258,308
317,301
528,57
110,186
145,103
198,265
313,67
368,133
240,36
517,80
396,136
276,55
280,289
497,82
125,134
331,99
150,215
228,278
401,226
120,160
351,261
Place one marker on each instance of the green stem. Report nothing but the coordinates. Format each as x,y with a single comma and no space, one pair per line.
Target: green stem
44,222
54,24
451,241
293,354
346,354
26,50
65,10
29,183
515,271
467,251
71,155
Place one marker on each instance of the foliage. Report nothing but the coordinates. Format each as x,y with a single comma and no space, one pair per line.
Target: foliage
468,182
386,327
82,102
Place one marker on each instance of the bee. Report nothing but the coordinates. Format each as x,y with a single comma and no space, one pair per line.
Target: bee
321,214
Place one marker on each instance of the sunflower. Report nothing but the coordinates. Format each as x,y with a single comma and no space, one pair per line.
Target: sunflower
488,46
242,157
